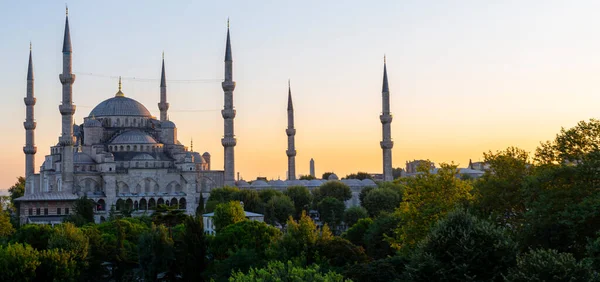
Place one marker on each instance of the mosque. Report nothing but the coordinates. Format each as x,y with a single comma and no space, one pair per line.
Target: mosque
123,157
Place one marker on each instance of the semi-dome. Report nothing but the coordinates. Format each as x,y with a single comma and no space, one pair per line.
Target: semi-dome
92,122
167,124
82,158
120,106
134,137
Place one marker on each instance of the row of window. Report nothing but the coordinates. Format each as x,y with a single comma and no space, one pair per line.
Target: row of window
39,210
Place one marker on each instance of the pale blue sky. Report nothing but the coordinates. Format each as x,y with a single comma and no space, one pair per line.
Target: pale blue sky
465,76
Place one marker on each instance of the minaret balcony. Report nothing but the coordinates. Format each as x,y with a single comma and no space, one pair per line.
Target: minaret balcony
29,149
228,85
66,78
386,144
228,113
67,109
29,125
290,131
386,118
29,101
163,106
291,153
66,140
228,141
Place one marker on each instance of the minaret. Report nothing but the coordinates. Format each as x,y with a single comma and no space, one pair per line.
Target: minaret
29,123
386,119
67,109
312,167
291,132
228,141
163,106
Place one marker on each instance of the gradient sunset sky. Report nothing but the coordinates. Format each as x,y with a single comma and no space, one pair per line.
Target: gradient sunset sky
465,76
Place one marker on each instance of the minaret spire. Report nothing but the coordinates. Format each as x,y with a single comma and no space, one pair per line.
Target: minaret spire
228,141
163,106
67,110
386,119
29,149
291,133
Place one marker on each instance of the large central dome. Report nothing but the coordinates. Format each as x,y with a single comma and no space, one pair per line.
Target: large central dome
120,106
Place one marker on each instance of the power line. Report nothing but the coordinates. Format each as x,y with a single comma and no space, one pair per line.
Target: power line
133,78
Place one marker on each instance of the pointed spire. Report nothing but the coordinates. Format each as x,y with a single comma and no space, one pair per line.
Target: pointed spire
30,66
163,80
120,93
192,144
290,104
67,40
228,46
385,87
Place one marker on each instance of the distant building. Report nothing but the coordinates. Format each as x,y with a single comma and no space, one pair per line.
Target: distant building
411,167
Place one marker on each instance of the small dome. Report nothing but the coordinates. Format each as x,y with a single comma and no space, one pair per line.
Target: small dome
120,106
82,158
294,183
260,184
198,159
368,182
143,157
314,183
167,124
242,184
206,154
92,122
134,137
332,177
278,183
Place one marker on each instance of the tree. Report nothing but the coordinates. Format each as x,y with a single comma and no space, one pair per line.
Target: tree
376,239
301,197
326,175
363,194
550,265
57,265
570,145
228,213
278,271
279,209
499,193
83,212
382,270
331,211
381,200
427,198
266,194
354,214
356,233
300,239
359,175
251,200
250,234
18,262
307,177
397,172
35,235
156,253
340,253
334,189
193,249
462,247
6,228
220,196
18,189
69,238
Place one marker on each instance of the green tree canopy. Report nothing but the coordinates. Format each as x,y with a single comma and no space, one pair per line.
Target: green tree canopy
550,265
428,197
376,238
381,200
193,251
278,271
499,193
228,213
307,177
6,228
331,211
278,209
18,262
156,252
83,212
571,145
356,233
326,175
18,189
334,189
249,234
354,214
462,247
220,196
359,175
301,197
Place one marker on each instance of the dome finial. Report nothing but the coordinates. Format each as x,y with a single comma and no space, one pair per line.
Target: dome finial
120,93
192,144
66,10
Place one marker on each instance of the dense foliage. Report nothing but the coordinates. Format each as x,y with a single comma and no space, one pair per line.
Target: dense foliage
528,218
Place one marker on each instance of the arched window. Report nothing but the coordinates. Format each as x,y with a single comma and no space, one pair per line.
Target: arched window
174,202
160,201
129,204
151,204
135,205
101,206
182,204
120,204
143,204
